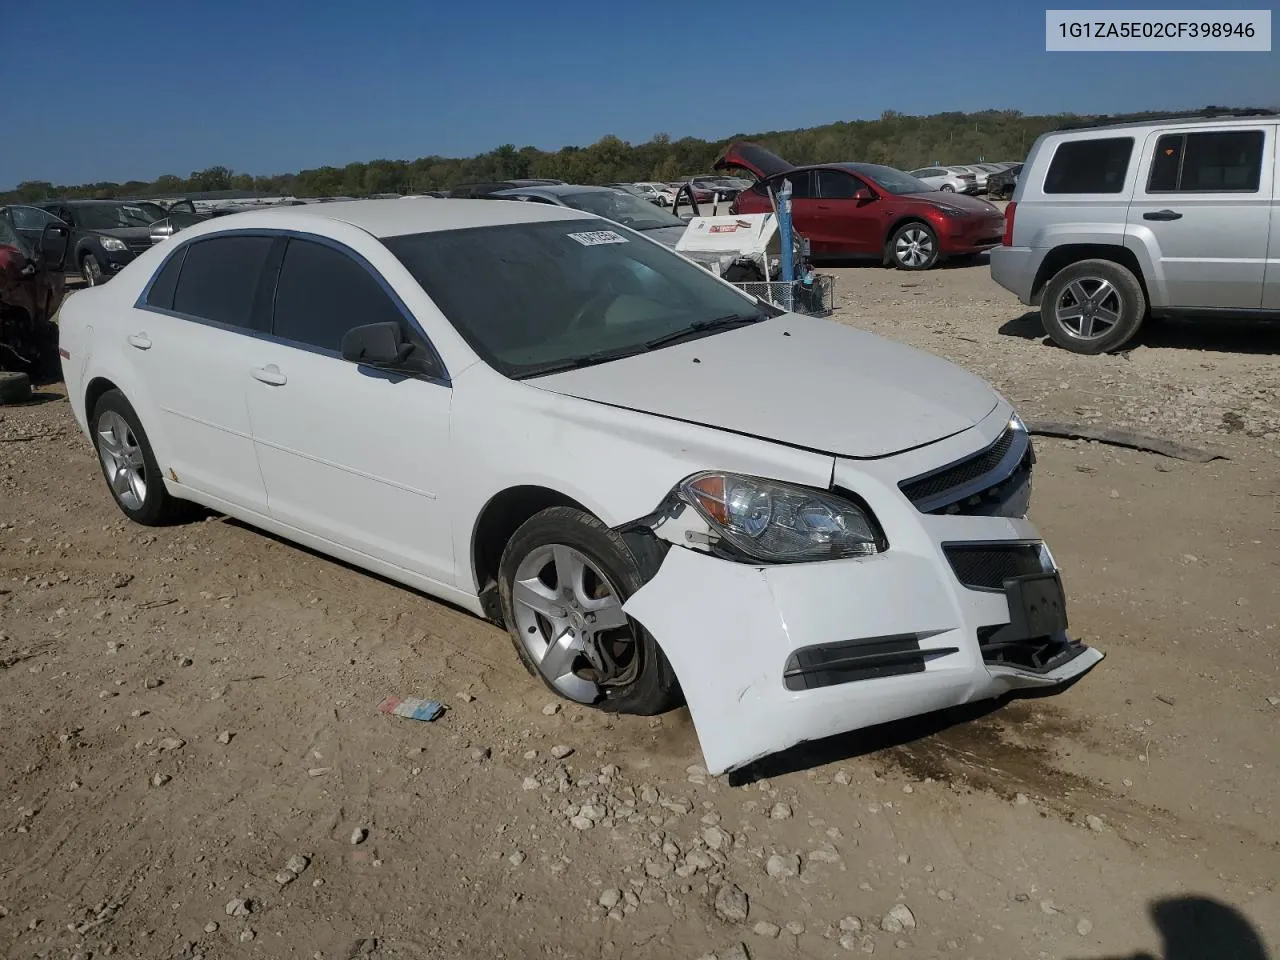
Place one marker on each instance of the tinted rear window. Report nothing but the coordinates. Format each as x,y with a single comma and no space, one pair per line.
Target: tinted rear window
166,282
1089,166
1223,160
219,277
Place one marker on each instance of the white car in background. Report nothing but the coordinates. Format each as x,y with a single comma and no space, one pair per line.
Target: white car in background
947,179
658,193
665,489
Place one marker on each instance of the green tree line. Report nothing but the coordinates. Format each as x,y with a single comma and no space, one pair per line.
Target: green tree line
896,139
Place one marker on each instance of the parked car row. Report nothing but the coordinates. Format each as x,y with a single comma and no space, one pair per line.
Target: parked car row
972,178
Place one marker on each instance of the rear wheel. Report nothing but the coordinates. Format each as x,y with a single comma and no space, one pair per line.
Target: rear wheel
1094,306
913,246
129,465
947,188
563,580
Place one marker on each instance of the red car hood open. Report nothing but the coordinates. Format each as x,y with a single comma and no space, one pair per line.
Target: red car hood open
753,158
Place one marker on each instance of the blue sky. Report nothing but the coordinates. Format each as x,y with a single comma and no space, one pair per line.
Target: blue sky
137,88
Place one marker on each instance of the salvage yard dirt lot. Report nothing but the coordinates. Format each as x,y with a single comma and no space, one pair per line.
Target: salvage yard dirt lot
186,709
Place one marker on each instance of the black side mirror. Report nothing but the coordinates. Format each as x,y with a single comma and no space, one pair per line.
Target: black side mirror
54,240
384,347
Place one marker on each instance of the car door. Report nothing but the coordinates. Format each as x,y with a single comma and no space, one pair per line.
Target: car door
1202,206
849,224
1271,279
350,454
31,221
191,337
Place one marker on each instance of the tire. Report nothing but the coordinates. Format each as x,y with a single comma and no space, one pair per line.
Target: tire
14,387
91,270
628,672
913,246
126,457
744,273
1108,294
947,188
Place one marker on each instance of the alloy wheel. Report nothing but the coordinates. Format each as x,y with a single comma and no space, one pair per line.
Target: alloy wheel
122,460
570,620
1088,307
914,247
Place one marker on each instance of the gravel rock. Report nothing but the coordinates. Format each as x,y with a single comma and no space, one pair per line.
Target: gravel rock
1084,927
946,895
211,926
160,779
842,777
610,898
297,863
359,835
560,751
851,925
716,838
826,853
764,928
224,737
580,822
551,709
780,811
239,907
516,858
286,877
169,744
737,952
782,866
731,904
1095,823
795,927
480,754
657,869
247,934
898,919
530,783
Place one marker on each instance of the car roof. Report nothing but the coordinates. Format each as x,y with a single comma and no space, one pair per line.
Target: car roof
1245,118
553,190
394,218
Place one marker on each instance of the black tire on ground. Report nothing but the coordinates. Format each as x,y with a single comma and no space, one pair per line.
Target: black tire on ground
14,387
91,270
1122,296
628,562
158,507
920,233
744,273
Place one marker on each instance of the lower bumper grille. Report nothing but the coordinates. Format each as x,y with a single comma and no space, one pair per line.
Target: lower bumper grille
825,665
986,566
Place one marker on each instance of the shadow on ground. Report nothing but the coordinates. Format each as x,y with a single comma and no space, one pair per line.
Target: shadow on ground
1200,928
1215,334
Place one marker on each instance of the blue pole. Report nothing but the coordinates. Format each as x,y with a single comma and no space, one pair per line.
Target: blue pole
784,232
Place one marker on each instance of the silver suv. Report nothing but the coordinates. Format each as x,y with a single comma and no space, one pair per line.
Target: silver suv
1110,225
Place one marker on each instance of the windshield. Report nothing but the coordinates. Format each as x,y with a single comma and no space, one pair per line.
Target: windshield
890,179
624,208
531,298
9,237
110,216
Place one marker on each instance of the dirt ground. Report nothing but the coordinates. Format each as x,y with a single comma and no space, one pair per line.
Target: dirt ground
186,709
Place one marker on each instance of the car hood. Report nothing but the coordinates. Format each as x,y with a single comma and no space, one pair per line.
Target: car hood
125,233
960,201
667,236
797,380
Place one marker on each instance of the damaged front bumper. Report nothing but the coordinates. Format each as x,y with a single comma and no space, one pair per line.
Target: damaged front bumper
959,608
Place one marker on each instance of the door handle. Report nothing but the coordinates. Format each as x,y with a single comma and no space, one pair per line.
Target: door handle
139,340
1162,215
824,206
270,374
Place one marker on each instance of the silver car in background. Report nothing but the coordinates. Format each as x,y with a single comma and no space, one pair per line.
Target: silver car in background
947,179
1111,224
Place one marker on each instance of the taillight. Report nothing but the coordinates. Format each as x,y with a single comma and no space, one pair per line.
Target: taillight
1009,211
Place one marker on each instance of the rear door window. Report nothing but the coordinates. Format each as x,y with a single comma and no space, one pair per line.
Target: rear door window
322,293
801,184
836,185
219,277
165,284
1214,161
1089,166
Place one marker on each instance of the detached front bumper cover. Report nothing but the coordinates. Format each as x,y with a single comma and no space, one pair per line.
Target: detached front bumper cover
773,656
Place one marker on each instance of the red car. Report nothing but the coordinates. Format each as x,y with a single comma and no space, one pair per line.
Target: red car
867,210
31,290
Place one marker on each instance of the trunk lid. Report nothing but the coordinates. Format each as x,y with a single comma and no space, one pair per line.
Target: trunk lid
753,158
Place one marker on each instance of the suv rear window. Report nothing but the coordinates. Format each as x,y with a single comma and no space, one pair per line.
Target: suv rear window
1222,160
1089,166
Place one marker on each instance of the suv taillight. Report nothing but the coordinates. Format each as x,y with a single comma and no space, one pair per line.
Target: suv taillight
1009,211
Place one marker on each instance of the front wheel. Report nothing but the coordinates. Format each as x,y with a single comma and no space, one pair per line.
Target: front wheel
91,270
562,582
1093,306
947,188
914,246
129,465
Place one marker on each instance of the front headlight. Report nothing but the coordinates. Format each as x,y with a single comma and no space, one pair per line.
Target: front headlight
952,211
779,523
114,244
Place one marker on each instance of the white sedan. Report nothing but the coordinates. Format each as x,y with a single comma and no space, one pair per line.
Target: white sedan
665,489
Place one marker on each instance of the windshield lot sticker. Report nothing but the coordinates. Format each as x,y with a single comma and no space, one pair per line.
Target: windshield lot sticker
594,238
